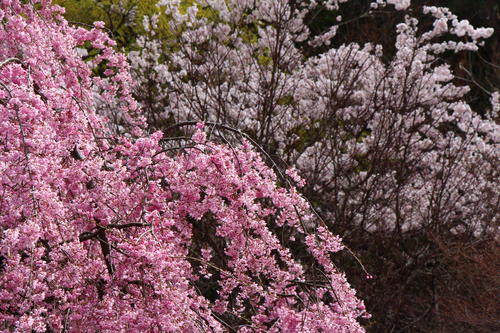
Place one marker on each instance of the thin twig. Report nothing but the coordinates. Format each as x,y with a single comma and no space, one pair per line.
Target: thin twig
9,60
25,150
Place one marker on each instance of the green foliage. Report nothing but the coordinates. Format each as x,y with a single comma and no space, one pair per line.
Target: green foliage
123,18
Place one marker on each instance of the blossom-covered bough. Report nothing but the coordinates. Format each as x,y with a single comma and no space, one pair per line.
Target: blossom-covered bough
395,159
131,232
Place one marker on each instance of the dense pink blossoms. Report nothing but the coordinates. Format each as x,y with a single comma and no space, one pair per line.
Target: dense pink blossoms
102,233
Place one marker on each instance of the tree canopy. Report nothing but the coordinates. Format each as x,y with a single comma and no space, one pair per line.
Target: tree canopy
217,165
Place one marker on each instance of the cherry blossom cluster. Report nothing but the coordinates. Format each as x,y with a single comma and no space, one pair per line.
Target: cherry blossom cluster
104,232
